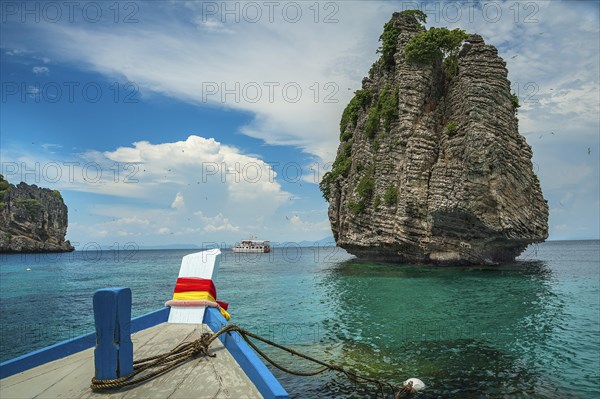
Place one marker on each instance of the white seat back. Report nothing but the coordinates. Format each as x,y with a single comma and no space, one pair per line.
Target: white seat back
202,265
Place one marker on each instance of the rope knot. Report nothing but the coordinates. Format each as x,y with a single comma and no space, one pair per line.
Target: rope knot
200,346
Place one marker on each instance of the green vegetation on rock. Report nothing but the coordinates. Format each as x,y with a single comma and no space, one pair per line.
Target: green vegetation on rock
341,167
377,202
361,100
388,39
356,207
57,194
31,205
372,123
372,69
382,113
375,145
426,46
418,14
451,64
366,185
387,106
365,190
451,128
4,186
514,99
391,195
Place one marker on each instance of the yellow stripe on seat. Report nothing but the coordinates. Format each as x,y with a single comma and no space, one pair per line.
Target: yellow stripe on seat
193,295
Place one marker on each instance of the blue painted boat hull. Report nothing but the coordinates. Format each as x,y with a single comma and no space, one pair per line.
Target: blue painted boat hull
253,367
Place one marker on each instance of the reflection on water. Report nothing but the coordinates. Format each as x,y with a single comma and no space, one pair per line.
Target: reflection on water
468,332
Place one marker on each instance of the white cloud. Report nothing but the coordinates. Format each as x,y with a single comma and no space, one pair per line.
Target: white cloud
561,227
164,230
325,59
41,70
198,188
319,228
178,202
212,25
191,58
216,223
16,52
48,146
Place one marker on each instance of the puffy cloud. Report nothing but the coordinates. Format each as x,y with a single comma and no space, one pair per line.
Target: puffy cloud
178,201
198,188
295,78
320,228
41,70
216,223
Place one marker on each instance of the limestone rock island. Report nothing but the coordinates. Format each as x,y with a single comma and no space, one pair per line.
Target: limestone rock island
431,167
32,219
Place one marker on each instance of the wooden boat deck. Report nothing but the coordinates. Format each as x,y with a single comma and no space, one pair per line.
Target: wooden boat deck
217,377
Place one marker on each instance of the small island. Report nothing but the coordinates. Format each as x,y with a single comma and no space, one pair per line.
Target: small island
431,167
32,219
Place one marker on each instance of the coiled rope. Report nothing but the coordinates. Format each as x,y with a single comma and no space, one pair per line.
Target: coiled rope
187,350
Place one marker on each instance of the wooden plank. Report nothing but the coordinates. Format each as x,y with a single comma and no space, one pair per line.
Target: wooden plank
266,383
30,385
139,340
218,377
77,385
71,346
169,337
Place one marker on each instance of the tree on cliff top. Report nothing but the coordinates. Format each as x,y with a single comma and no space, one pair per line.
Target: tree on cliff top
418,14
427,46
389,37
3,183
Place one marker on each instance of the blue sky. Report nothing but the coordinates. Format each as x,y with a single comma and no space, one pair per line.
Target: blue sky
194,122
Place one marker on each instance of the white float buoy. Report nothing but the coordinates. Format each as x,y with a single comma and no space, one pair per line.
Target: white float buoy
417,384
28,269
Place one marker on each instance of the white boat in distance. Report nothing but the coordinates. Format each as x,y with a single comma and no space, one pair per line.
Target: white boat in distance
252,245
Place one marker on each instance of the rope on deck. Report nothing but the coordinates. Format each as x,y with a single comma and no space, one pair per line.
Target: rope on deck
185,351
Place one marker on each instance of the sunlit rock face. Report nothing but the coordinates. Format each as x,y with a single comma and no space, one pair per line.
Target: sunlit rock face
32,219
445,177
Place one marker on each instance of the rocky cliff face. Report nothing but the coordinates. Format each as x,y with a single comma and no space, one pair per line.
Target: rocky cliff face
431,167
32,219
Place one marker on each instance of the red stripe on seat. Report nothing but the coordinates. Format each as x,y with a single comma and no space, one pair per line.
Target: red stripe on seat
186,284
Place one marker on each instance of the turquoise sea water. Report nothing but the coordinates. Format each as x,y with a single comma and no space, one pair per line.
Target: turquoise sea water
528,329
